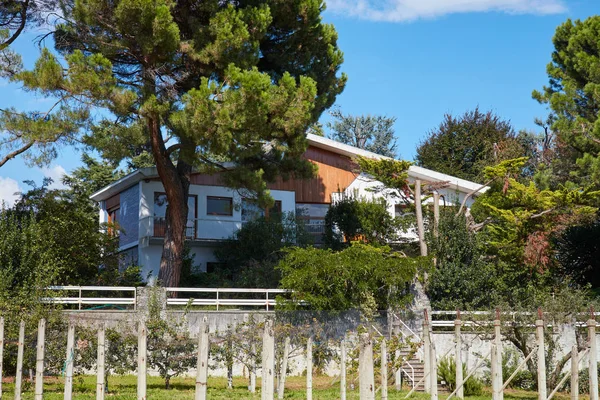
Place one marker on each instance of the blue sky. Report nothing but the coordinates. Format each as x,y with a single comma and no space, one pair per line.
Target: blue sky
411,59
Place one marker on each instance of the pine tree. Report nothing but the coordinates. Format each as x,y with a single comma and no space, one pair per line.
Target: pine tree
367,132
195,84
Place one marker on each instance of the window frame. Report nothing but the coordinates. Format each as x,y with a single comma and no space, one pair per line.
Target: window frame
216,214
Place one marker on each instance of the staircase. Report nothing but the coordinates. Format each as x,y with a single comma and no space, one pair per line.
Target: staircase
413,370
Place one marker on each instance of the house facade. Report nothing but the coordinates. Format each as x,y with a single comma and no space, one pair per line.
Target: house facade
137,203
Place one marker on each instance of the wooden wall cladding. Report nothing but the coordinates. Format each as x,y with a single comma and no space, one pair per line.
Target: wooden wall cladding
335,173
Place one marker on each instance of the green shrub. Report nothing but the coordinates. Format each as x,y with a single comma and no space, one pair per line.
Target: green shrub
447,375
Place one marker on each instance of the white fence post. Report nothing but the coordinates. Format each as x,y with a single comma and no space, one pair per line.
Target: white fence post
366,376
541,362
497,381
202,365
574,373
458,356
384,370
268,362
593,359
19,376
100,363
426,354
433,381
309,368
283,371
142,360
70,360
39,360
343,370
252,387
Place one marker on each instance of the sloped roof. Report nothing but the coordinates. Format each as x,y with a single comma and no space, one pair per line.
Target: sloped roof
414,172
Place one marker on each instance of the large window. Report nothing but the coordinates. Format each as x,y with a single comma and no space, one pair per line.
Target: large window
219,206
160,211
313,216
252,211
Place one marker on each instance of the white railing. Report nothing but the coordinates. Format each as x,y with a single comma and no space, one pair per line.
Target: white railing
210,228
267,302
81,300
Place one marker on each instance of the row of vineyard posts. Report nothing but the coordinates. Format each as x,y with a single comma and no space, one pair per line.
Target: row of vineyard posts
366,365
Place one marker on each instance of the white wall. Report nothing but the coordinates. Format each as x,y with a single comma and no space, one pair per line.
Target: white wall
209,227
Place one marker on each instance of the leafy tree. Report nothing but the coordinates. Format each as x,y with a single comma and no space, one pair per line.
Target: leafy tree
462,277
196,84
359,277
372,133
572,95
170,348
463,146
249,257
578,253
352,219
91,177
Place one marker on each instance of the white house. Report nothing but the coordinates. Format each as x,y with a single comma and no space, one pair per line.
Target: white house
137,202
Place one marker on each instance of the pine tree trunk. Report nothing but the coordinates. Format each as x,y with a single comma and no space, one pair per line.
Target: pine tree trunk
176,182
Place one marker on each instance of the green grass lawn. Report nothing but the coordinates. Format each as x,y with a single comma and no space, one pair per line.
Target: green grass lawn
124,387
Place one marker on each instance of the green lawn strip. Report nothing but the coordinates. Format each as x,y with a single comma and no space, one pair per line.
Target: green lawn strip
124,387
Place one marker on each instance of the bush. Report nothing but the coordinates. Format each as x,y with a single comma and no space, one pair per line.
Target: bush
447,375
584,381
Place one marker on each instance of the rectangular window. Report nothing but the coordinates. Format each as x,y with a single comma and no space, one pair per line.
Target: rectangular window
160,212
113,221
313,216
252,211
219,206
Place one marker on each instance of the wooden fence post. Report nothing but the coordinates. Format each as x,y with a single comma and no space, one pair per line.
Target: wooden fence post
458,356
384,370
268,362
283,371
100,363
426,354
202,364
39,360
366,377
497,380
19,376
252,387
434,385
70,360
1,351
309,368
574,373
142,360
593,359
343,370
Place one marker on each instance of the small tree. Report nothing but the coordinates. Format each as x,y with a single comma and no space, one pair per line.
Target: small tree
367,221
358,277
170,348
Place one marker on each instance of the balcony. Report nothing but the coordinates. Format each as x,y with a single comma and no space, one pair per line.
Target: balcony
211,229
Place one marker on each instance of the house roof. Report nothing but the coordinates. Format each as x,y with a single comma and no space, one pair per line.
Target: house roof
321,142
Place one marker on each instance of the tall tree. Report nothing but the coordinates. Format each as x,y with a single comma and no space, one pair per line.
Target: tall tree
573,96
39,140
197,83
463,146
367,132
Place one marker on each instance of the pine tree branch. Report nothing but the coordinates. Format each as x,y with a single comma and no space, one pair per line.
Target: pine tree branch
17,32
15,153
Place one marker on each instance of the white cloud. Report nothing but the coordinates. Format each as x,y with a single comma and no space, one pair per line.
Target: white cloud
56,172
410,10
8,189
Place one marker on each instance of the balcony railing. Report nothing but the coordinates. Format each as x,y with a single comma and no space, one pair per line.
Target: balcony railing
214,228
